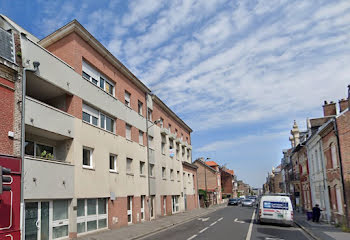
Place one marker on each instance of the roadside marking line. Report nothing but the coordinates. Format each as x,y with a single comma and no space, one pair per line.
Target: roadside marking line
203,230
249,234
192,237
236,220
220,219
213,223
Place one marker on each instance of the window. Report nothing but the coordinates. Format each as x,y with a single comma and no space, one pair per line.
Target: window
39,150
183,152
128,165
161,122
171,174
128,131
127,96
140,137
334,156
169,126
143,207
163,144
175,204
151,170
142,168
139,107
163,173
176,132
171,148
177,151
106,123
189,178
91,214
94,76
149,111
188,154
87,157
93,116
113,163
178,176
130,198
150,142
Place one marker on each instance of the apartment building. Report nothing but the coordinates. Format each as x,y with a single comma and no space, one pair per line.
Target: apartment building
94,151
229,190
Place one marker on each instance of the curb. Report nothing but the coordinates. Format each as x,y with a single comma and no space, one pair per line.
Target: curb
141,236
307,231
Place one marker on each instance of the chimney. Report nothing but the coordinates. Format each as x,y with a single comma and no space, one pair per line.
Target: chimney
329,109
343,104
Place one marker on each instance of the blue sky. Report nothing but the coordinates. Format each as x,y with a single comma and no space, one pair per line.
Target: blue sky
238,72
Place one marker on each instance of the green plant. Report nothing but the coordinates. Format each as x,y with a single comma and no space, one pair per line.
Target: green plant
203,193
46,155
19,54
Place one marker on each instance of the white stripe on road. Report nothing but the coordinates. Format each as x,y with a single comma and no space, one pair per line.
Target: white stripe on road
203,230
213,223
192,237
220,219
249,234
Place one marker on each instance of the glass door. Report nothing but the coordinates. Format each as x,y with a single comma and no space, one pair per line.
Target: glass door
164,205
44,221
31,221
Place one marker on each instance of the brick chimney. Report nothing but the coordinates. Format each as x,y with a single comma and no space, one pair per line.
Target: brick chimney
343,104
329,109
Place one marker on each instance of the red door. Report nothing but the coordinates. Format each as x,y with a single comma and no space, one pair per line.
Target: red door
10,201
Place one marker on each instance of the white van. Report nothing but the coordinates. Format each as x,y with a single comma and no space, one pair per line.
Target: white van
275,209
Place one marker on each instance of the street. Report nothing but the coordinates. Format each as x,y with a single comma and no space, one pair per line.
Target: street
233,222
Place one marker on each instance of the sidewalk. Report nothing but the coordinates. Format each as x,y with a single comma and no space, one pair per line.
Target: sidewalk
320,231
139,230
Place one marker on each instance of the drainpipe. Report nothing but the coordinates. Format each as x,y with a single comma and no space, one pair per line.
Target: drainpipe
149,177
341,172
24,81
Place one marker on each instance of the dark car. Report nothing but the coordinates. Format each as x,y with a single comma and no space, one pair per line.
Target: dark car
232,201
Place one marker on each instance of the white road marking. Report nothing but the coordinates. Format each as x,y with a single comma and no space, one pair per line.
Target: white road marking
203,219
203,230
249,234
220,219
213,223
236,220
192,237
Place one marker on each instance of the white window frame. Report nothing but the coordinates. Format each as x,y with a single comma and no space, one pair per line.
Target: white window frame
93,73
127,99
149,113
129,211
151,142
141,137
175,204
92,112
91,166
96,217
35,143
143,197
163,145
128,132
115,169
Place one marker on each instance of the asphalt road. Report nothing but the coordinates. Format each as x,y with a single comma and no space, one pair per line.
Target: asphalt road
233,222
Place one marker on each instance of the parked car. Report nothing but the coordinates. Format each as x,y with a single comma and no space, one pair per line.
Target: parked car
247,203
233,201
275,209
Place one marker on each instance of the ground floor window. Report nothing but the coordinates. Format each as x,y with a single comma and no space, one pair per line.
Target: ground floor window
175,204
143,207
151,209
91,214
130,198
46,219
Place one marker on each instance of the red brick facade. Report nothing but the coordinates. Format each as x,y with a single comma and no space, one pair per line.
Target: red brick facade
7,97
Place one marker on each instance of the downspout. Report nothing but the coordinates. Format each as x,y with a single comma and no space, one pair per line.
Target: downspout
24,81
149,169
341,172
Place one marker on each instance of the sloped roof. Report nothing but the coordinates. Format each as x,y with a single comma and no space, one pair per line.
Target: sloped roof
230,171
212,163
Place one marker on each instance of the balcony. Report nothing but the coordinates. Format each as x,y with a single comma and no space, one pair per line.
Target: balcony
48,179
48,118
164,131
